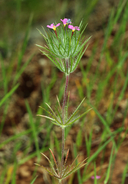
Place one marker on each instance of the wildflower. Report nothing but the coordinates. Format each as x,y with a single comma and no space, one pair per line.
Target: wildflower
97,177
73,28
64,45
66,21
52,26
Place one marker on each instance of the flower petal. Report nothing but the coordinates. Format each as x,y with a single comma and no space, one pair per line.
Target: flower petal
57,25
64,21
73,28
77,28
97,177
51,26
70,26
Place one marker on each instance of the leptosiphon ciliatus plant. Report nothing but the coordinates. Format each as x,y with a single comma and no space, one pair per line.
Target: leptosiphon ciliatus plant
65,46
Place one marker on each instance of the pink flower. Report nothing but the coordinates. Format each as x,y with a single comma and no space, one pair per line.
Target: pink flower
65,21
52,26
97,177
73,28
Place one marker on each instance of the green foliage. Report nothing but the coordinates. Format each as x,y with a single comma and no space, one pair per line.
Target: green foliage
109,167
3,100
56,172
34,180
57,119
64,45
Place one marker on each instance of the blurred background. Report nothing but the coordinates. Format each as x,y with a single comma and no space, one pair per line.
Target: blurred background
29,80
15,15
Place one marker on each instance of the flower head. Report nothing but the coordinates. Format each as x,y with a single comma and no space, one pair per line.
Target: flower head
52,26
63,44
97,177
66,21
73,28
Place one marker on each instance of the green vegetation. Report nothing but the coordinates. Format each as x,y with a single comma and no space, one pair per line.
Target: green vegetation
103,81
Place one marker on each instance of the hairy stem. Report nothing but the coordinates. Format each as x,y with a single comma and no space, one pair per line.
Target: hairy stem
63,117
64,99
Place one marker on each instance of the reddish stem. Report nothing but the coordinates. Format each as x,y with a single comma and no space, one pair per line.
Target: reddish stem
72,33
56,34
63,117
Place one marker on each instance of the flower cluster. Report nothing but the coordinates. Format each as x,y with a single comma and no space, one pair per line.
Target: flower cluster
64,43
65,22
